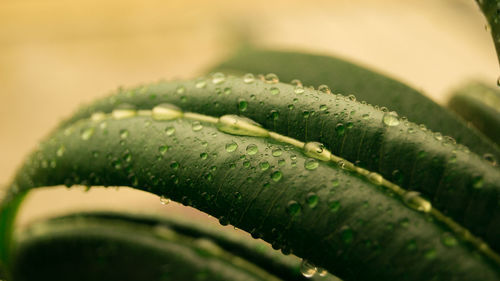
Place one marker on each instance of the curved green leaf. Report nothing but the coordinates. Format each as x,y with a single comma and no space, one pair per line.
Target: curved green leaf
98,249
376,89
353,223
480,105
491,10
254,251
459,183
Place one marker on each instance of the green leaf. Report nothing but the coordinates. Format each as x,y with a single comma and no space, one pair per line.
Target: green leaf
241,251
92,248
491,10
348,78
480,105
459,183
294,195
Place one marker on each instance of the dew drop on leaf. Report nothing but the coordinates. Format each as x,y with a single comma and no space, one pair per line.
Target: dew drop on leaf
307,269
391,119
252,149
166,111
231,147
248,78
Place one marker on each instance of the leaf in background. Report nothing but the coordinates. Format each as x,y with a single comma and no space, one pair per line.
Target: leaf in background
480,105
491,10
124,252
376,89
296,196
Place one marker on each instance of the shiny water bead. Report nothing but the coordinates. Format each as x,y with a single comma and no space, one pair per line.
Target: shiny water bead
60,151
200,83
375,178
218,78
242,105
317,150
87,133
170,131
307,269
391,119
166,111
271,78
237,125
322,272
490,158
276,176
252,149
196,126
274,91
98,116
296,82
324,89
164,200
413,200
293,208
231,147
123,111
311,164
248,78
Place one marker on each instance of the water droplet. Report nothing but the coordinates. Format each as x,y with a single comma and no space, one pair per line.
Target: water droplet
366,116
276,176
170,131
317,150
299,90
166,111
323,107
180,90
60,151
324,89
322,272
274,91
264,166
438,136
248,78
218,78
340,129
312,199
275,115
163,149
413,200
237,125
232,146
164,200
391,119
307,269
123,133
293,208
334,205
174,165
311,164
271,78
490,158
252,149
351,97
87,133
242,105
448,239
204,155
98,116
277,152
375,178
196,126
201,83
123,111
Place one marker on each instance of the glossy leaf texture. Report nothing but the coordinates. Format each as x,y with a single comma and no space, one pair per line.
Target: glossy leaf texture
43,242
345,221
347,78
110,246
480,105
461,184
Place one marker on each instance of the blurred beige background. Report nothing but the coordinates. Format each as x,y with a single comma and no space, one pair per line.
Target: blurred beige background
58,54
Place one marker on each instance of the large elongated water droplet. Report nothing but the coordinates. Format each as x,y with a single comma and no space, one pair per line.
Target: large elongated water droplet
413,200
391,119
124,111
317,150
307,269
166,111
237,125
